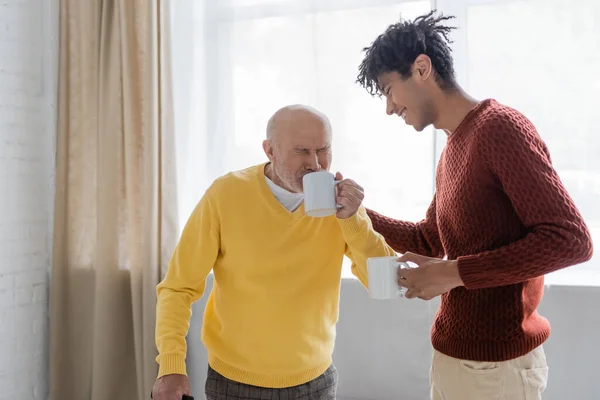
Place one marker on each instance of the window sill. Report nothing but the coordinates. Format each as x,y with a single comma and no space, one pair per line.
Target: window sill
566,277
574,277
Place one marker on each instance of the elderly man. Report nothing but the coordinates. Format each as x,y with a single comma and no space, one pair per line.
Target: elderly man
269,323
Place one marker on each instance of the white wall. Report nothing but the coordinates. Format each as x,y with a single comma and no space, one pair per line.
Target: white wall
27,108
383,349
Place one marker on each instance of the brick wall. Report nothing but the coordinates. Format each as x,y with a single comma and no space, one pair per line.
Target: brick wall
28,57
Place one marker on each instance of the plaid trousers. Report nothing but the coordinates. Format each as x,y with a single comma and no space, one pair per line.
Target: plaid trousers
321,388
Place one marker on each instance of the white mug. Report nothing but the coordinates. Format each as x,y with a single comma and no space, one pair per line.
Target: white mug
319,194
383,277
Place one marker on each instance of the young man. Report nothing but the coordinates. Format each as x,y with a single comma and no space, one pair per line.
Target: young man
269,323
500,219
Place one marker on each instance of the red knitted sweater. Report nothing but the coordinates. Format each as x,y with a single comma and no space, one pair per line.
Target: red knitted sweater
501,210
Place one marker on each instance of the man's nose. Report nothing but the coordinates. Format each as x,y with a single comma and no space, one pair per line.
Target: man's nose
389,106
314,164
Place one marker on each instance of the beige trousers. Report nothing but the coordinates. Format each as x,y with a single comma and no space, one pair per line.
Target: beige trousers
522,378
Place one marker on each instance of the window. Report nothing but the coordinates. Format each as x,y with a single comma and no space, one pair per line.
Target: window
311,55
237,61
263,55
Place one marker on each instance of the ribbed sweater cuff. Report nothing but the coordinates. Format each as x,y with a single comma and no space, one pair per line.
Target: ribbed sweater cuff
471,273
171,364
351,226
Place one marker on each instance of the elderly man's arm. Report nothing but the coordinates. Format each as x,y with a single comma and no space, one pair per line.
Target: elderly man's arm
362,243
184,283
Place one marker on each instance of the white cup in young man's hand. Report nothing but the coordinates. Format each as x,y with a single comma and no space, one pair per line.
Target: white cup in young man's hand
383,277
319,194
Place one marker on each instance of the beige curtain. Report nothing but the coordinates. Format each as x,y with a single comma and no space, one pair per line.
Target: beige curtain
115,216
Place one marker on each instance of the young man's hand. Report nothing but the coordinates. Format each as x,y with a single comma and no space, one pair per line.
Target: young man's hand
432,278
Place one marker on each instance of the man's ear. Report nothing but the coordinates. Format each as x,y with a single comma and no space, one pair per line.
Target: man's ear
422,68
268,149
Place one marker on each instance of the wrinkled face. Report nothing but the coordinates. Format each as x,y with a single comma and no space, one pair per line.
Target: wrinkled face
411,99
301,146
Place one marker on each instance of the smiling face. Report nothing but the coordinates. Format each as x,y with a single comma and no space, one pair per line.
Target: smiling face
411,98
299,142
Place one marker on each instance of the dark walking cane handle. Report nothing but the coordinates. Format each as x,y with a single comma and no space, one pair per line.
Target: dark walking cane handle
184,397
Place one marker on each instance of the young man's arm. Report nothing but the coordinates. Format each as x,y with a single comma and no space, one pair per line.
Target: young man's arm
184,283
558,237
362,243
420,238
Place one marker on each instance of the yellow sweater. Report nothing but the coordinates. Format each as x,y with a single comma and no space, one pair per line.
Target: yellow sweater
271,315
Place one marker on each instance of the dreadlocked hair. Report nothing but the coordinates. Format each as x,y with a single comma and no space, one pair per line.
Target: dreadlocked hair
396,49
